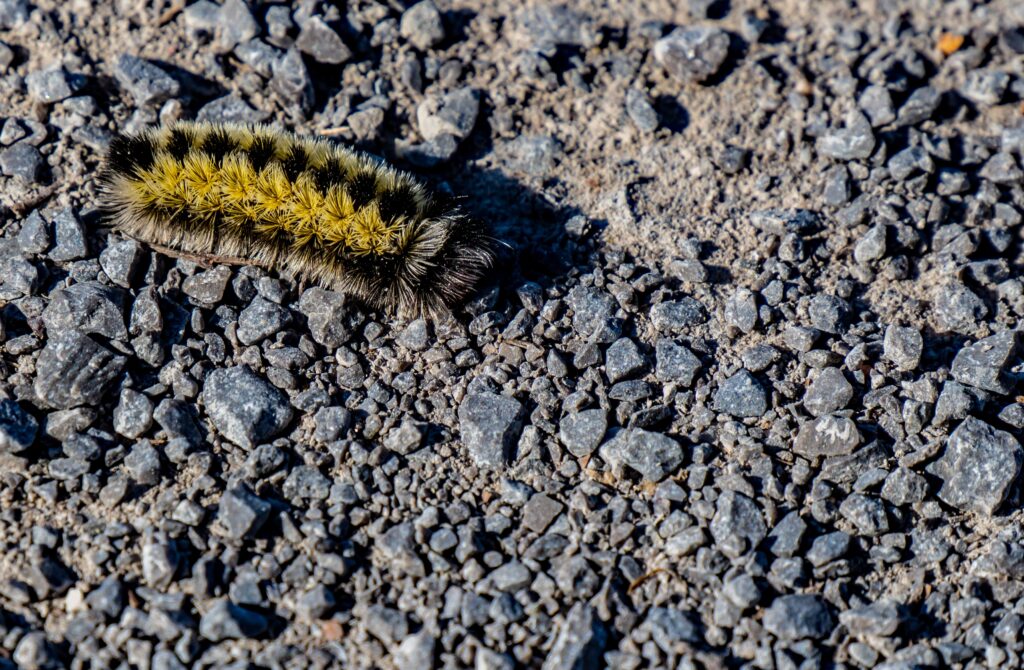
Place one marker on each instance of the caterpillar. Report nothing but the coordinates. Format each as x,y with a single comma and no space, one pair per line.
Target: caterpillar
317,209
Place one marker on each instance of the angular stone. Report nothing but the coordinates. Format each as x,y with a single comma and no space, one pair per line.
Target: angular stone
74,370
741,396
829,392
675,363
827,436
582,432
18,428
985,364
88,307
244,407
148,84
798,617
540,511
261,319
903,346
490,426
978,467
321,42
227,621
653,455
241,512
421,24
738,525
674,316
580,640
325,315
692,53
452,114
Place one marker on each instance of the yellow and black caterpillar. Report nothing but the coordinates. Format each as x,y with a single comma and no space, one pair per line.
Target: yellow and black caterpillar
320,210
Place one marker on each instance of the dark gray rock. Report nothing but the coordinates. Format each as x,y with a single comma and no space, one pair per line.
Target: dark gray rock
305,483
208,287
827,436
828,313
121,260
406,437
241,512
738,525
623,360
227,621
741,396
18,428
985,364
540,511
798,617
320,41
34,236
920,106
582,432
787,535
829,392
50,85
855,141
13,13
398,548
533,154
421,24
415,336
978,467
694,53
653,455
69,237
416,652
233,109
261,319
741,310
89,307
878,620
34,652
871,247
22,160
178,420
133,415
903,346
985,87
674,316
235,24
867,514
490,426
159,562
876,102
143,463
325,314
18,278
73,370
148,84
331,423
675,363
580,640
903,486
315,604
244,407
452,114
109,598
593,316
828,548
291,81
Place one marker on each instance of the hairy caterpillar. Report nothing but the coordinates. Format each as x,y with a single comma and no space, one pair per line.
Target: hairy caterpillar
322,211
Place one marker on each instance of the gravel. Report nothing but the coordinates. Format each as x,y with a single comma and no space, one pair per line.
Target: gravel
742,389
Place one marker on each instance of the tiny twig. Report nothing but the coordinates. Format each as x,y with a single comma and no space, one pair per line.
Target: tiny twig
331,132
176,7
204,260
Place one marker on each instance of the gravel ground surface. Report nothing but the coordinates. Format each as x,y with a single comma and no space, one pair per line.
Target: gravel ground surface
741,392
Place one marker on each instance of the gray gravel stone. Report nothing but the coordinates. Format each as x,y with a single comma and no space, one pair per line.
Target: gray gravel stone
978,467
18,428
69,237
227,621
490,426
855,141
89,307
828,548
741,310
406,437
416,652
74,370
540,511
34,652
533,154
827,436
291,81
876,102
580,640
903,486
452,114
305,483
787,535
143,463
321,42
675,363
871,247
675,316
653,455
903,346
209,286
737,526
235,24
147,83
34,236
133,415
693,53
623,360
421,24
828,313
798,617
985,364
670,627
880,619
50,85
640,111
315,604
244,407
233,109
866,513
920,106
594,314
582,432
121,260
109,598
159,562
829,392
261,319
22,160
325,315
241,512
741,396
